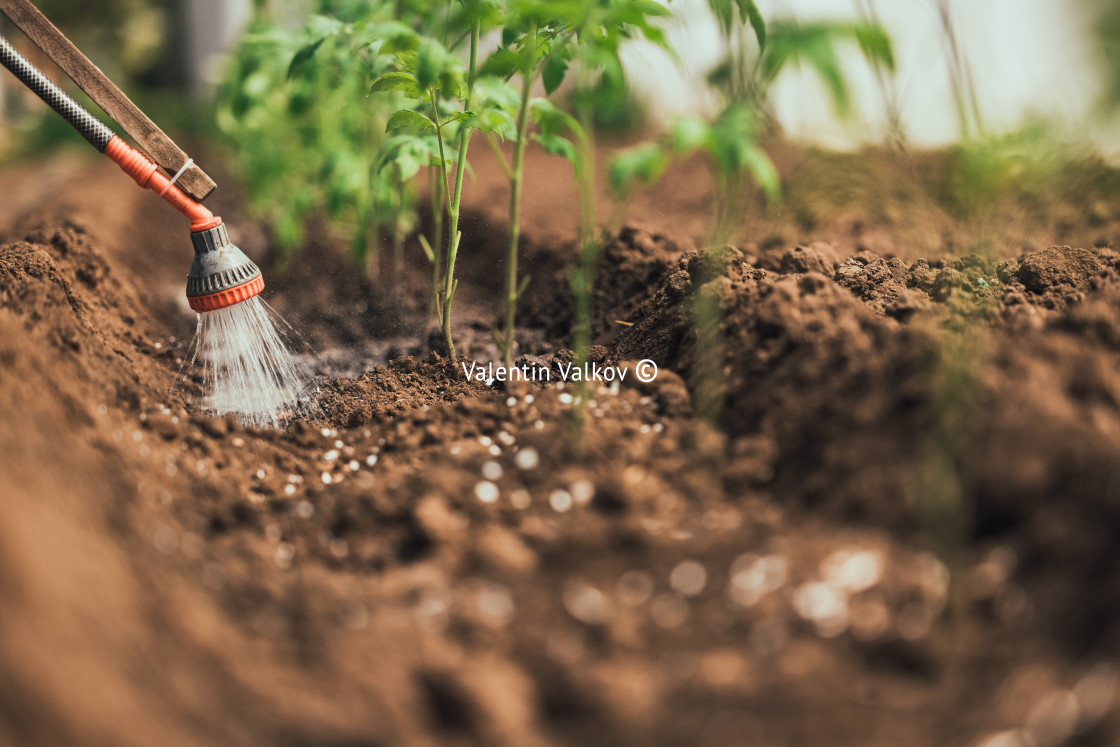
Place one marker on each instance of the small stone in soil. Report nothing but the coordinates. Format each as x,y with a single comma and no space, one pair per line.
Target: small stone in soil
688,578
527,458
520,499
486,491
285,551
582,491
371,460
560,500
496,603
669,611
353,465
586,603
492,470
635,587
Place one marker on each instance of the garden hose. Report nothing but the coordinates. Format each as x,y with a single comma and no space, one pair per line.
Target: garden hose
220,275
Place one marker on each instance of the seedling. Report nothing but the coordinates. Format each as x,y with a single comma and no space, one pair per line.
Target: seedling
429,76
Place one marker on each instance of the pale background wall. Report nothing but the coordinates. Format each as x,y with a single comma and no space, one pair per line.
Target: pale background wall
1028,57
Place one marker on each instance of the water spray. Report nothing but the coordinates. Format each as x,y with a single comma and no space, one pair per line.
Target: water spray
248,367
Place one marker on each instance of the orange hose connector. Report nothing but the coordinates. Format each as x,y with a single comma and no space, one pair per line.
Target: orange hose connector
147,175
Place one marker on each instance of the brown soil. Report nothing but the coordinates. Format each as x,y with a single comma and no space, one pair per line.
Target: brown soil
433,562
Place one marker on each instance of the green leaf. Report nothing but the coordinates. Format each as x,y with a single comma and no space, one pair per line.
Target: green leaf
391,37
876,45
688,134
431,61
323,26
427,247
407,60
558,145
403,82
304,54
553,74
552,120
821,56
764,172
408,118
502,63
724,13
721,75
748,11
642,164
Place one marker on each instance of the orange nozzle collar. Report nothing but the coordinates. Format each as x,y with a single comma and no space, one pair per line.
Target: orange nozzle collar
147,174
228,297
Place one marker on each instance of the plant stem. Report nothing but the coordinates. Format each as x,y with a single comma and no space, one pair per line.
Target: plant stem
437,236
453,212
515,179
583,277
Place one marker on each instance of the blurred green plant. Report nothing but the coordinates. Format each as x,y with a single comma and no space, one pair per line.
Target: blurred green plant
304,149
967,103
757,54
1107,24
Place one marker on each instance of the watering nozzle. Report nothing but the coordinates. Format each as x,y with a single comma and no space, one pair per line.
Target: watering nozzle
221,275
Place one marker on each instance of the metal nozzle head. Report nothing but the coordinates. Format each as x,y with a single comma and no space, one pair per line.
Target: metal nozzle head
221,275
